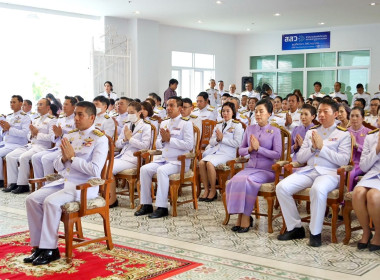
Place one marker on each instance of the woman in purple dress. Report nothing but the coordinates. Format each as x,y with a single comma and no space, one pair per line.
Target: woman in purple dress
359,132
263,143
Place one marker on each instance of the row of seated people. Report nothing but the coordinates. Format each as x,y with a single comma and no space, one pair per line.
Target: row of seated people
176,137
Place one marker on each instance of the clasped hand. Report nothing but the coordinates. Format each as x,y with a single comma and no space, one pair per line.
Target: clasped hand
165,134
67,150
316,140
254,144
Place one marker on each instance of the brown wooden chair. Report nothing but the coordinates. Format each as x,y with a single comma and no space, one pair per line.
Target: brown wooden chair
5,172
207,129
334,198
267,190
131,176
72,212
368,125
182,179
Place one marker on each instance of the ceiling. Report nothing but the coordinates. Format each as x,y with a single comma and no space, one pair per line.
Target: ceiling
231,16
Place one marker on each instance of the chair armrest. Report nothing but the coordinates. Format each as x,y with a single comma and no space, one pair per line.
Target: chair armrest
241,160
154,152
288,168
139,153
296,164
37,180
347,168
281,163
93,182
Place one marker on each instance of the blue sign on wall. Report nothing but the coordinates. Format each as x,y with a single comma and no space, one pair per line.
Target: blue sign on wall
302,41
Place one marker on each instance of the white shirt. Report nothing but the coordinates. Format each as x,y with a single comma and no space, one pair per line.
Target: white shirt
112,95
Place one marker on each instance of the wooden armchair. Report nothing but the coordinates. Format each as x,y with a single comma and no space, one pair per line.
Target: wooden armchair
334,198
267,190
182,179
72,212
368,125
207,129
132,175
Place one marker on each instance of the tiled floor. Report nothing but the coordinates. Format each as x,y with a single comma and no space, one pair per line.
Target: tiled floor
200,236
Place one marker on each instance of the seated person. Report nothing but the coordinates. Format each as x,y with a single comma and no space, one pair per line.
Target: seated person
122,114
204,111
43,161
371,116
147,114
366,195
40,135
103,121
226,137
344,115
325,148
250,114
14,131
308,114
83,154
135,136
359,133
176,138
187,110
263,143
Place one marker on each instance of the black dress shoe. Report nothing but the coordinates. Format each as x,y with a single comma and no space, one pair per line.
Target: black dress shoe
1,184
373,247
212,199
362,246
33,256
235,228
296,233
315,240
10,188
47,256
159,213
246,229
21,189
115,204
145,209
202,199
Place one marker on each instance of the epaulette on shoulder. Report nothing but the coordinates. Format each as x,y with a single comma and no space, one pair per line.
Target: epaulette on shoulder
315,126
243,116
235,121
193,116
368,93
299,111
367,113
283,111
37,117
207,89
244,111
61,116
51,117
146,121
341,128
74,130
106,116
331,92
97,132
167,118
160,108
8,114
210,109
219,122
185,118
373,131
23,113
196,109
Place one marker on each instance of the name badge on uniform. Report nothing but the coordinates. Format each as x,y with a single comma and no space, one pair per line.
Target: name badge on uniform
333,139
231,129
87,142
140,131
69,125
176,128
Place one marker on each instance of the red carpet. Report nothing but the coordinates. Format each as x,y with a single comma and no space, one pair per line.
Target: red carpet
90,262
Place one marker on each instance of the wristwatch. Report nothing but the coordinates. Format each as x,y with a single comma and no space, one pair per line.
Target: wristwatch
72,158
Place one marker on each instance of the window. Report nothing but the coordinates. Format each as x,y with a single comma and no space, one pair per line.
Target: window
327,59
263,62
193,72
326,77
288,61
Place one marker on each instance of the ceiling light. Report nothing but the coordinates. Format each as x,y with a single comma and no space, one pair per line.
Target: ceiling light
373,4
136,12
199,21
321,23
277,14
219,2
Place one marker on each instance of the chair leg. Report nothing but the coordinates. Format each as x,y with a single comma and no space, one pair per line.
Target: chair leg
257,206
78,226
5,172
174,187
270,201
107,229
195,197
334,220
198,182
138,186
227,218
283,229
347,208
69,226
132,184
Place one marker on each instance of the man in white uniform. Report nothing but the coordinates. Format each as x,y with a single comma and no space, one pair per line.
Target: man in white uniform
186,112
43,161
176,138
83,154
40,134
337,93
15,129
371,116
103,122
158,110
213,94
250,92
325,148
233,92
361,94
293,116
27,108
204,111
122,116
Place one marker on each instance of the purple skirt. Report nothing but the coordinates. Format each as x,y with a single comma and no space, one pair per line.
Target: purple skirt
242,189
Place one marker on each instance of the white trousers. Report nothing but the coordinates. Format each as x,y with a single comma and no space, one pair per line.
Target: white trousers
163,170
43,163
3,152
120,165
43,209
20,175
320,185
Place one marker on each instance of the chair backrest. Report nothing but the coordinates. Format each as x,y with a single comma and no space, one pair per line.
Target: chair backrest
368,125
196,147
108,165
315,122
244,125
286,142
207,129
115,134
153,137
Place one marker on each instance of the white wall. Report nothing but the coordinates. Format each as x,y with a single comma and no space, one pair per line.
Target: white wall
342,38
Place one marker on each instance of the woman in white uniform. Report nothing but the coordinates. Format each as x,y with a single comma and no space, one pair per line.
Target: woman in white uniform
226,137
366,195
135,136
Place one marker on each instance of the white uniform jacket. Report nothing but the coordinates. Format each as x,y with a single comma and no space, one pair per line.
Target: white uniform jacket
16,136
105,123
369,160
44,124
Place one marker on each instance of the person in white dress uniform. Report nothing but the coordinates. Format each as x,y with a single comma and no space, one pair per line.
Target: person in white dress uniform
43,161
250,114
225,139
122,115
278,115
108,91
325,148
135,136
186,112
27,108
14,131
366,195
337,93
371,116
250,92
360,93
40,135
204,111
176,138
293,117
103,121
83,154
213,94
